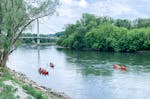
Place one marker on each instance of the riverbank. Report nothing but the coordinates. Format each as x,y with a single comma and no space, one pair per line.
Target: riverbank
90,49
144,51
20,87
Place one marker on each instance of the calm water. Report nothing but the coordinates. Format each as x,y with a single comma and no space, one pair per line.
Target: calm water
86,74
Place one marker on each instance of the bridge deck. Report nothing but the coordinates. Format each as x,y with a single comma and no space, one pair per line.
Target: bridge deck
38,37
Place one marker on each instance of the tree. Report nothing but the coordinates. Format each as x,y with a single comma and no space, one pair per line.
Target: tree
139,23
123,23
107,34
15,17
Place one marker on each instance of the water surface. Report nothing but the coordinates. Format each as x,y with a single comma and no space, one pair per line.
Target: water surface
86,74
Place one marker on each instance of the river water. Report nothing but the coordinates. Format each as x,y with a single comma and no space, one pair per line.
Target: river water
86,74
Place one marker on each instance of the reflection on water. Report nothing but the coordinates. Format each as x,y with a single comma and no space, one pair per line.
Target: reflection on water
138,62
38,54
86,74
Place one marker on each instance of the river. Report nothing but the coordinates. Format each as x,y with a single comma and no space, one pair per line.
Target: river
86,74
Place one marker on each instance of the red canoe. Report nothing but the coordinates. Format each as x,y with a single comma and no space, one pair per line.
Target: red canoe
123,68
116,66
43,71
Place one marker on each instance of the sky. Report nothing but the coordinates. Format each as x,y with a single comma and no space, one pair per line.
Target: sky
69,11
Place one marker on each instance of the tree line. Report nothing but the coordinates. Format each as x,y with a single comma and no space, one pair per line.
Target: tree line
107,34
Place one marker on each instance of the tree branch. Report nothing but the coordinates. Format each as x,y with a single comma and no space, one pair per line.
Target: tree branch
14,41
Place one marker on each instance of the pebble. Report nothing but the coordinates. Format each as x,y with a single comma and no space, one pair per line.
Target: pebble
1,89
1,74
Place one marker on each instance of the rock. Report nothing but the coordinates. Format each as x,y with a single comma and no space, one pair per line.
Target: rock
43,87
23,78
1,89
61,95
1,74
38,87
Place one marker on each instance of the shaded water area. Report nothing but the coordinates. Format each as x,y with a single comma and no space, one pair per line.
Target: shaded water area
86,74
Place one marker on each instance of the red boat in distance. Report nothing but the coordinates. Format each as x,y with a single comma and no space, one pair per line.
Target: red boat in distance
116,66
123,68
51,65
43,71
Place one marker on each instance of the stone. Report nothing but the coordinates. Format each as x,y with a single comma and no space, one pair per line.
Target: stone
1,74
1,89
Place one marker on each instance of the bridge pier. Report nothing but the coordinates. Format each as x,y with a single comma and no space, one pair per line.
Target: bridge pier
38,35
38,41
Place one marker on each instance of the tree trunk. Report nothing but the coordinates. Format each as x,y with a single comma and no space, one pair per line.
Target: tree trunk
4,62
4,59
1,19
0,53
4,56
0,32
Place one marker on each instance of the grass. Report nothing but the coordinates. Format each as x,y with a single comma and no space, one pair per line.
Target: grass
33,92
8,91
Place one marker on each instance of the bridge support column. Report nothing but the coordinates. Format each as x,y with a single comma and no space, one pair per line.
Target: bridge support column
38,35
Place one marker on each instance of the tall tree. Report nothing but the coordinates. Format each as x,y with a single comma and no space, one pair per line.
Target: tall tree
0,29
15,17
0,16
139,23
123,23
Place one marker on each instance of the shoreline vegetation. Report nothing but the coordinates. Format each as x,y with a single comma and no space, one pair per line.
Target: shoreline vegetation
90,49
107,34
13,82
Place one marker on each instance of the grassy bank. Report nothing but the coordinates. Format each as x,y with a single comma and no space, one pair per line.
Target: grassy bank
10,85
15,85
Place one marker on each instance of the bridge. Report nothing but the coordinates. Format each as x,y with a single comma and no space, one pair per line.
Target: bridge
38,38
32,37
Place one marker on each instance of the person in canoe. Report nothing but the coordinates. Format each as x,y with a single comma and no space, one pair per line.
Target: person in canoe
115,66
43,71
123,68
51,65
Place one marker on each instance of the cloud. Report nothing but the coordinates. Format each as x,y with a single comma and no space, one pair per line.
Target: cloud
71,10
83,3
114,9
66,12
67,2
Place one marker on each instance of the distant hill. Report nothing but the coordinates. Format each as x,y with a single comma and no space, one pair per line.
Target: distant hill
58,34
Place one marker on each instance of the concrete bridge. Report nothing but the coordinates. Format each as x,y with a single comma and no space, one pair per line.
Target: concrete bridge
30,37
38,38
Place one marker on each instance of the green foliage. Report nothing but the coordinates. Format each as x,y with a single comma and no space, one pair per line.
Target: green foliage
106,34
6,74
58,34
33,92
7,92
123,23
139,23
15,17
